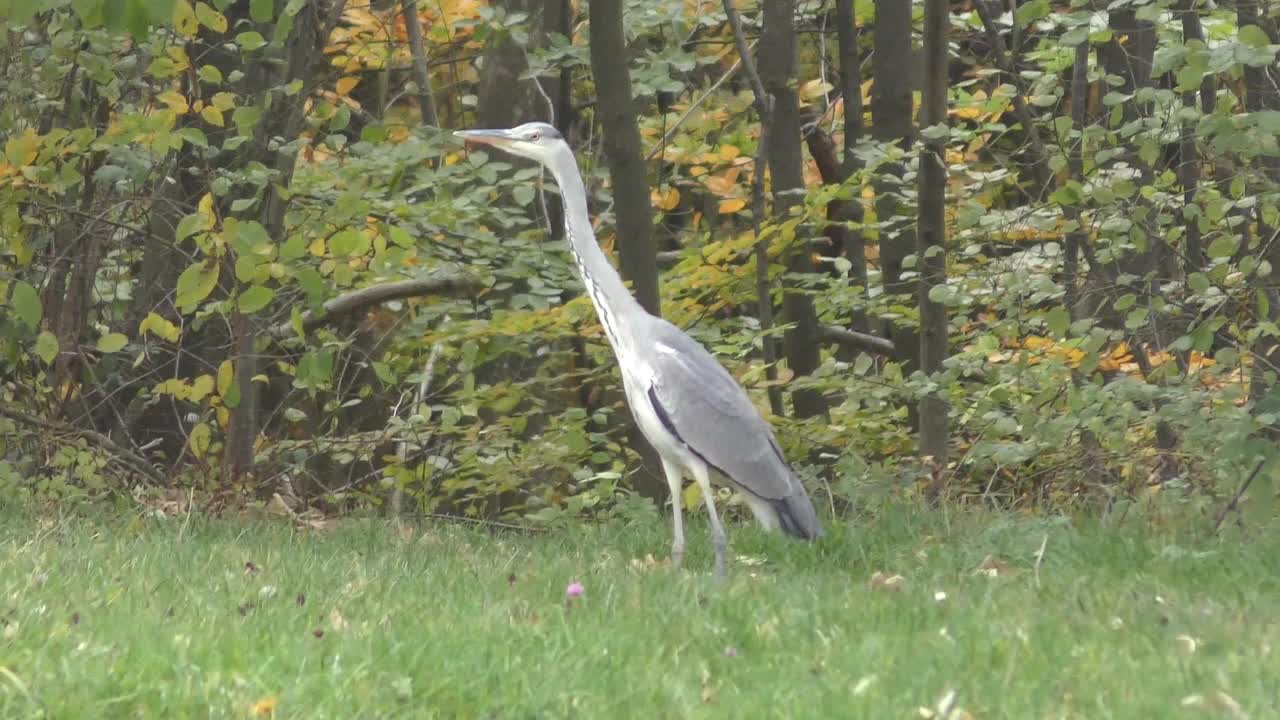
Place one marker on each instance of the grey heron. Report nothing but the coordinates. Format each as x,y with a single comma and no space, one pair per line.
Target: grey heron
690,408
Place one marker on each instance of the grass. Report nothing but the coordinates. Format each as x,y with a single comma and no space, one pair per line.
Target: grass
106,617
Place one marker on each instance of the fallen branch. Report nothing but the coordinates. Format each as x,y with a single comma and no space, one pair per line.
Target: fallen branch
123,454
855,340
442,284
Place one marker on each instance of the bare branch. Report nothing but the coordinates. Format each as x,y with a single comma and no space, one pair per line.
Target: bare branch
441,284
125,455
855,340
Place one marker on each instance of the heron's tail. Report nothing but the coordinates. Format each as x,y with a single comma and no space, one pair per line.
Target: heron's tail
796,516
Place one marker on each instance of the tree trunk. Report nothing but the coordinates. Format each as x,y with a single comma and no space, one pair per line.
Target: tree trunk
850,211
502,98
615,107
1262,94
777,72
891,123
637,254
302,57
932,228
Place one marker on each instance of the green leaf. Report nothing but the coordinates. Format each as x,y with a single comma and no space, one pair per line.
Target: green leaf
250,41
349,243
1198,282
262,11
26,304
112,342
1254,36
400,236
1223,246
245,119
522,194
1059,321
47,347
194,285
256,298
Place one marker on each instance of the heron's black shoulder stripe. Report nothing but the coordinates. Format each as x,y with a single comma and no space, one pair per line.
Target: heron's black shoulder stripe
665,419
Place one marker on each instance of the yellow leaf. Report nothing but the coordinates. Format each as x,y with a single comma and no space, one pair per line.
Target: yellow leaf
732,205
205,208
175,387
179,57
226,374
201,387
176,102
201,435
211,18
213,116
317,247
184,19
346,84
729,152
224,101
692,496
666,199
266,707
160,327
815,89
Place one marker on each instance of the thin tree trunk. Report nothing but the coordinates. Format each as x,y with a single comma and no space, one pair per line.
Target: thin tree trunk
301,57
637,254
891,123
850,211
1262,94
413,29
932,228
777,65
763,104
1188,155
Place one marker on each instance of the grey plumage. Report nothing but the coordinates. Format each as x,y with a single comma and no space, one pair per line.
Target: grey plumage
690,408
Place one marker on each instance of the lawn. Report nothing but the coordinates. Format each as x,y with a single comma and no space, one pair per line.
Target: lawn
104,617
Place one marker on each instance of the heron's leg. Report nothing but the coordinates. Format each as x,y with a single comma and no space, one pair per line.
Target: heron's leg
674,477
718,539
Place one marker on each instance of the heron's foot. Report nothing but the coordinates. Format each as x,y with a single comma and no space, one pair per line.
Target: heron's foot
722,551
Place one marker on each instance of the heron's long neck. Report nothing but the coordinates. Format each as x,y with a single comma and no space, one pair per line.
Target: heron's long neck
614,303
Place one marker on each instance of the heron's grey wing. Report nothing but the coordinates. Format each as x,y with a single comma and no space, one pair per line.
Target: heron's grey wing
713,416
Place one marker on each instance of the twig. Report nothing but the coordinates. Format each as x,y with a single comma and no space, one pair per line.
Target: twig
124,454
402,452
1235,499
439,284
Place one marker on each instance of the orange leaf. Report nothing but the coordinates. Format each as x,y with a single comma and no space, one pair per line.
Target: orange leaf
731,205
666,199
346,84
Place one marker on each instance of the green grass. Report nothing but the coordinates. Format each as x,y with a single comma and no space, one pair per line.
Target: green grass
103,618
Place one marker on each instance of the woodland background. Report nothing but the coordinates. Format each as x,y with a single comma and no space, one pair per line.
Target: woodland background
1018,253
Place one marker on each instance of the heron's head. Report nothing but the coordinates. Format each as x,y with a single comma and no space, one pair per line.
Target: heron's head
536,140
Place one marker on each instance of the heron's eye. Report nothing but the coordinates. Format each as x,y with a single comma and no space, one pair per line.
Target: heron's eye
535,137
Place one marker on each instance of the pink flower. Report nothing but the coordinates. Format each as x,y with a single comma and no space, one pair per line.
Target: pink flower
574,590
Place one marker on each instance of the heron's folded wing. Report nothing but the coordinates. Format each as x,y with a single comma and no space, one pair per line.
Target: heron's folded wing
712,414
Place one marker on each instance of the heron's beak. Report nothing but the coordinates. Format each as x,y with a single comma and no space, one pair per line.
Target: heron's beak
497,138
